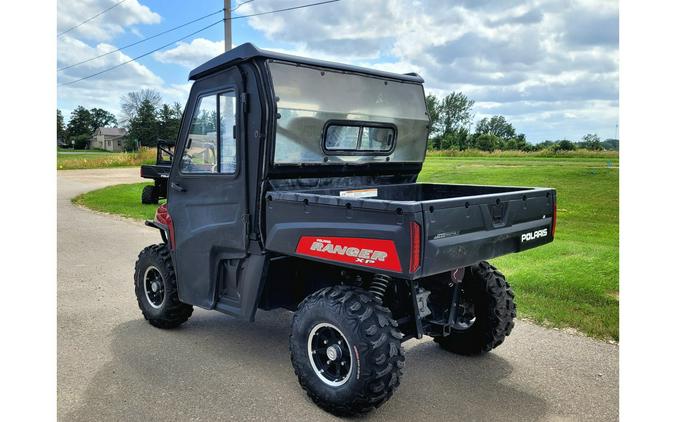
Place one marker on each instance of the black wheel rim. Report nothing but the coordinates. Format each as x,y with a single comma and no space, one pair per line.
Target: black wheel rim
153,284
330,354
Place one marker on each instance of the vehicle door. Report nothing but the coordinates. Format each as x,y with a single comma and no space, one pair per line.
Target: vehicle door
207,186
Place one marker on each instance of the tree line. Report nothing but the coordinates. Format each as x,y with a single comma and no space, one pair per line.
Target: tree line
144,115
450,121
147,119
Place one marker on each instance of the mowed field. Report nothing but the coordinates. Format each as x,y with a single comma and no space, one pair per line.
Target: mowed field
570,283
574,281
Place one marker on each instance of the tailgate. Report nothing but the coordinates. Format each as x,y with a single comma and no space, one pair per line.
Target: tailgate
462,231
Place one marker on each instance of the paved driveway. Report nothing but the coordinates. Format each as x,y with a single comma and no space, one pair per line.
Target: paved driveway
112,365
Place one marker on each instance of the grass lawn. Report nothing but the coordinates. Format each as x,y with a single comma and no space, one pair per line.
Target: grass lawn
572,282
124,200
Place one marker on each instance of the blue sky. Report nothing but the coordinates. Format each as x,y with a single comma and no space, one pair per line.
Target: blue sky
549,66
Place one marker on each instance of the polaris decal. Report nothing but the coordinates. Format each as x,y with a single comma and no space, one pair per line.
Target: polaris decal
374,253
526,237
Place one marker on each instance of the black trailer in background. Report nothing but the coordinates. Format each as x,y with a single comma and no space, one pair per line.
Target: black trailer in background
158,172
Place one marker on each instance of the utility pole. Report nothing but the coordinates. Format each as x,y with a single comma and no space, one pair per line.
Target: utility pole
228,24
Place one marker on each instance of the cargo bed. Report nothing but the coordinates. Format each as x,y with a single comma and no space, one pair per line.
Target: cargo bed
458,225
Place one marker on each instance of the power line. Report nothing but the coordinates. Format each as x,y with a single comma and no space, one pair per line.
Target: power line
241,4
284,10
194,33
142,55
91,18
142,40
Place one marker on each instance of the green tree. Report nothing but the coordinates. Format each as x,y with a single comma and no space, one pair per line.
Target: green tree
79,127
521,141
131,102
169,121
433,111
449,120
60,126
564,145
102,118
144,127
130,144
459,139
497,126
455,113
518,143
487,142
591,141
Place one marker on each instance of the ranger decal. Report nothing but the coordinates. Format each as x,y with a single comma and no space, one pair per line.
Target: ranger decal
375,253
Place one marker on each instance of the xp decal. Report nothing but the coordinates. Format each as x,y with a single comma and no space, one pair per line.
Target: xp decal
375,253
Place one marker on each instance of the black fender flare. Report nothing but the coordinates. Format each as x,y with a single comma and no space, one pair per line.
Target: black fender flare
163,229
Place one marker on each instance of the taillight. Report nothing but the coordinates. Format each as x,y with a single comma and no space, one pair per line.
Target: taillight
555,218
415,246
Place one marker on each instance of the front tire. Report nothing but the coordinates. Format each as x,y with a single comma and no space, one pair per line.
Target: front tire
156,291
346,350
487,302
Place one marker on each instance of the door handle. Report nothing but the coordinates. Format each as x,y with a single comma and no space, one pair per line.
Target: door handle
177,187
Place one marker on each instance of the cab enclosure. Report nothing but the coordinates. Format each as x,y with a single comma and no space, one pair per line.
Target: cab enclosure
293,174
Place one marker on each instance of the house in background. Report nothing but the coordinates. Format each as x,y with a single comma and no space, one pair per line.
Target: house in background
109,138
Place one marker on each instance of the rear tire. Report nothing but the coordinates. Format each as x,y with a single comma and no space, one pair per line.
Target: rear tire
149,195
485,290
366,339
156,291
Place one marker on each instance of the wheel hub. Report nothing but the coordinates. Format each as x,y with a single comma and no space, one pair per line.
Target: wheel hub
334,352
329,354
153,284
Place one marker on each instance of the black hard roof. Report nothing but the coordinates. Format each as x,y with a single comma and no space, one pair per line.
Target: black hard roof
249,51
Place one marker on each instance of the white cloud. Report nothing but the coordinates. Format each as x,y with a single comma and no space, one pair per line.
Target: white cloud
105,90
192,54
108,25
75,46
533,61
512,53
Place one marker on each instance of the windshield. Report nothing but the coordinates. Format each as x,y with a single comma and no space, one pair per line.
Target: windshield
336,117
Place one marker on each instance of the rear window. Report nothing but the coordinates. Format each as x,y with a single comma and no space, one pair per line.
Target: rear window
358,138
335,117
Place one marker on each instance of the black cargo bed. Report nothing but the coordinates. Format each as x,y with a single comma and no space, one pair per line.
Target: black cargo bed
409,197
460,224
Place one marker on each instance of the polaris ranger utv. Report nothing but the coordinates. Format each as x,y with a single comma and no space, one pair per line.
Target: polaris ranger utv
294,186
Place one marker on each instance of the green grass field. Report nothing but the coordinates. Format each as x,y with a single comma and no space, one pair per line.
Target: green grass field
572,282
124,200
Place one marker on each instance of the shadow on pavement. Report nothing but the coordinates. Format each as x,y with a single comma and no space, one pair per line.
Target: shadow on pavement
218,368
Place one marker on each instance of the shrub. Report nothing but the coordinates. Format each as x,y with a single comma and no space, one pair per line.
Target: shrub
487,142
81,141
564,145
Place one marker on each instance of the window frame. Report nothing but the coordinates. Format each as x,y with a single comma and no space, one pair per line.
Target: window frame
207,93
361,124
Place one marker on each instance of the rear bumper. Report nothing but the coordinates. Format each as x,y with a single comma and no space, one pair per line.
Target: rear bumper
447,253
155,171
